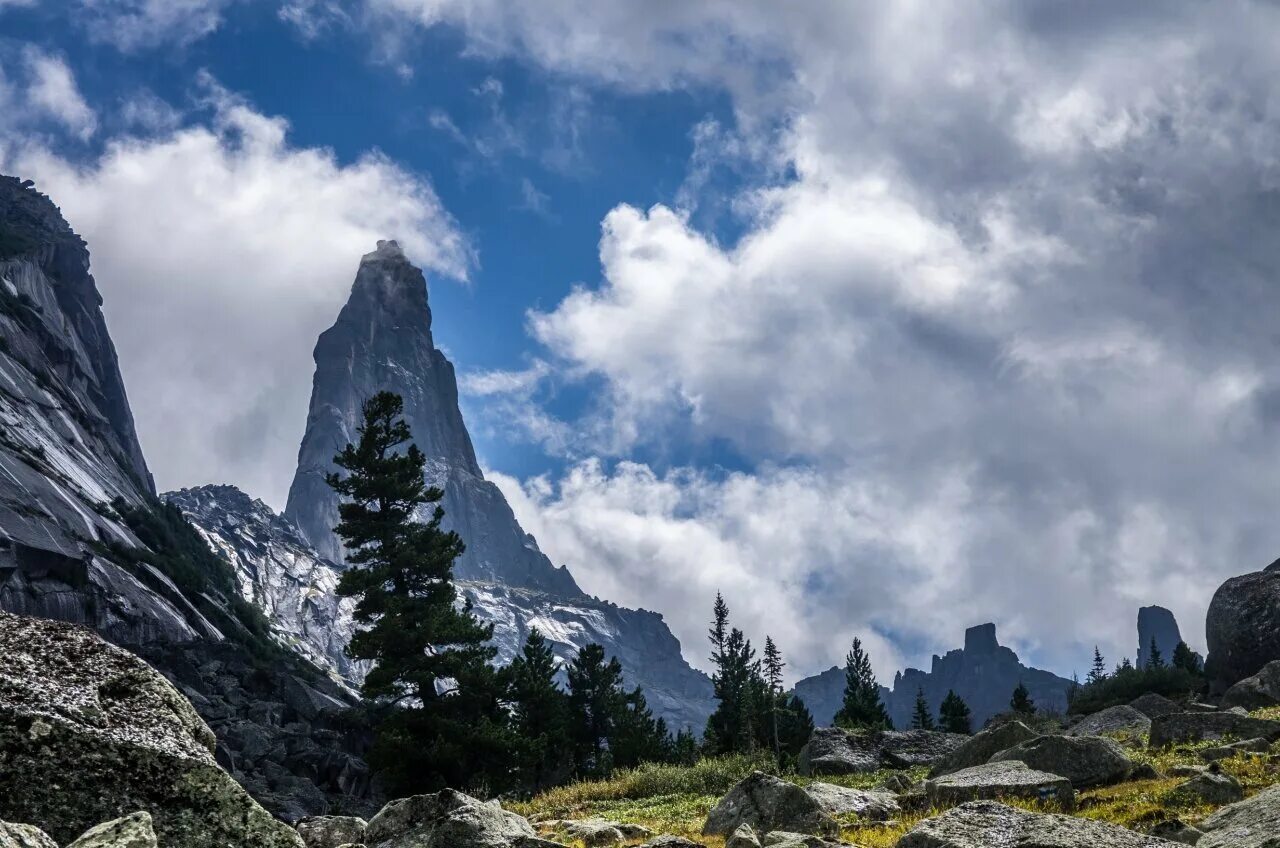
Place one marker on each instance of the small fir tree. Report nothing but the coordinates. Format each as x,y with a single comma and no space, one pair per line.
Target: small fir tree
431,656
1154,660
1099,669
954,714
861,707
539,716
922,718
1021,701
1185,658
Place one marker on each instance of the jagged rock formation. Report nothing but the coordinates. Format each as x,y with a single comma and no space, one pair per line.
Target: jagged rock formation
83,538
382,340
1159,624
984,673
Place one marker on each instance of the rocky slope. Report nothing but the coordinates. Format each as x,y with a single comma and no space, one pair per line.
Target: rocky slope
382,340
984,673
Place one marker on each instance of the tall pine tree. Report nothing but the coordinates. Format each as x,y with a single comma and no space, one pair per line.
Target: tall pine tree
1154,660
953,714
773,666
738,687
921,717
431,656
862,708
595,700
539,716
1098,671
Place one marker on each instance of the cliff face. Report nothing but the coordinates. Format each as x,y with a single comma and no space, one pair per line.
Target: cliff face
984,673
382,341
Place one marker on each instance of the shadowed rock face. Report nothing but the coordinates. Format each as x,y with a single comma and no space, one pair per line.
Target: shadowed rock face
1159,624
382,341
984,673
1242,628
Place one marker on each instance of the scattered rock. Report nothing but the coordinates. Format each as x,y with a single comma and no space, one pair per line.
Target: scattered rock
1175,830
24,836
1084,760
1186,770
1176,728
1242,627
88,730
1245,746
1252,823
1257,691
831,750
666,840
787,839
1145,771
839,800
331,831
1214,788
983,824
767,804
896,782
1152,705
982,746
448,819
742,837
1122,720
910,748
595,833
133,831
1005,779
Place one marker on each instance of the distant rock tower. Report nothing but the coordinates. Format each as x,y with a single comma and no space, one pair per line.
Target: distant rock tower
1157,623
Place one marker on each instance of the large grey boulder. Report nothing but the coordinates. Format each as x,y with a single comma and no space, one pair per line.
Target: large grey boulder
1152,705
1083,760
134,831
447,819
768,803
1176,728
24,836
88,732
1235,749
1242,627
1120,721
986,824
1176,830
842,801
331,831
832,751
1256,691
1214,788
1252,823
909,748
982,746
1008,779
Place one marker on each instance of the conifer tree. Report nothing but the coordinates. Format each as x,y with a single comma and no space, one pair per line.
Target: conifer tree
1154,660
954,714
1098,671
922,718
596,699
1021,701
861,708
1185,658
431,656
738,688
636,736
539,716
773,666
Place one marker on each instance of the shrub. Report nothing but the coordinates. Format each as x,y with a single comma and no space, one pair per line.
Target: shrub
1128,683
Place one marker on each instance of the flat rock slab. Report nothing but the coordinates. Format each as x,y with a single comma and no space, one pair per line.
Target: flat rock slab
1233,749
982,746
1252,823
986,824
1176,728
768,803
842,801
1083,760
1122,720
1007,779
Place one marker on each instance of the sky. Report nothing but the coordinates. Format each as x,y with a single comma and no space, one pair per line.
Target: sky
882,319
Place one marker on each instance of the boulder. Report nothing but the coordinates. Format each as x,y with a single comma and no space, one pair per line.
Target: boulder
1232,749
448,819
1083,760
1144,771
1175,830
1256,691
983,824
331,831
24,836
1242,627
134,831
89,732
896,783
910,748
667,840
1186,770
595,833
1176,728
1007,779
1252,823
1121,721
768,803
787,839
841,801
742,837
1152,705
1214,788
982,746
831,750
